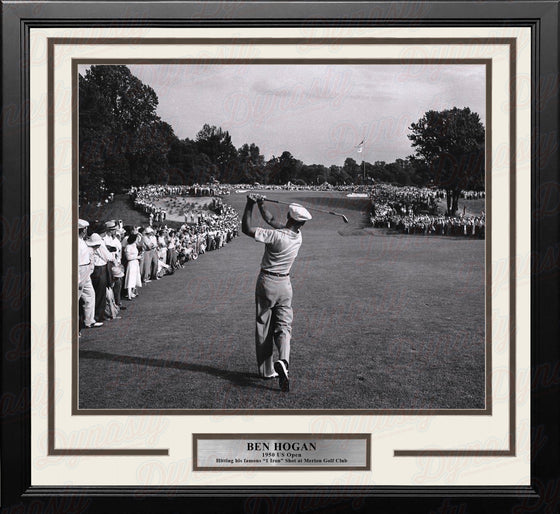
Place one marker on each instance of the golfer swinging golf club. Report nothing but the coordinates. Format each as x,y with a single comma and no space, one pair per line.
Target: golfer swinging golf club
273,292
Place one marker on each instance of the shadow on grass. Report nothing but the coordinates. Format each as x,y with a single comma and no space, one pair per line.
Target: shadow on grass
236,377
395,233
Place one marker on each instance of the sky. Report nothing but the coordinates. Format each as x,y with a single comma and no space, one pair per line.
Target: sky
319,113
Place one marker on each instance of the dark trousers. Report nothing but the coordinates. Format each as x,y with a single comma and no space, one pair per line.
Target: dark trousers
117,288
154,264
99,281
172,257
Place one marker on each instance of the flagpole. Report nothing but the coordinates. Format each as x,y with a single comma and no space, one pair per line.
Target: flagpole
360,148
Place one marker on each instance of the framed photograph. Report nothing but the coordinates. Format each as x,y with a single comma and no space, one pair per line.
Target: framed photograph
280,256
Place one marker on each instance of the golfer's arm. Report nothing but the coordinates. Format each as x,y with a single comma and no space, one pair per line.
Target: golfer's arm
268,217
246,225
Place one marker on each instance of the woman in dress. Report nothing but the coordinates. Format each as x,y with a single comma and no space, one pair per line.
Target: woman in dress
133,278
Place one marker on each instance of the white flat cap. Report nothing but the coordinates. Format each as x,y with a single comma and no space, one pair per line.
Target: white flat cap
82,224
299,213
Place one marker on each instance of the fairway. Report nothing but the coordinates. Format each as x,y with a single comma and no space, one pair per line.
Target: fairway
381,321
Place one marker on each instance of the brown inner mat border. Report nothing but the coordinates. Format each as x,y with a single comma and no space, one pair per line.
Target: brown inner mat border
511,42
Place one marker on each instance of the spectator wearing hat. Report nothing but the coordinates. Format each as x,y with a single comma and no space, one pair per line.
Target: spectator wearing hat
147,247
140,246
86,292
273,292
113,245
153,243
99,278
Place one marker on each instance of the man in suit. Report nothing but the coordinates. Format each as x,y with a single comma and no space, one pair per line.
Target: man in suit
273,292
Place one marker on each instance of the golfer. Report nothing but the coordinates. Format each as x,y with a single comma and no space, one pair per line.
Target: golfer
273,292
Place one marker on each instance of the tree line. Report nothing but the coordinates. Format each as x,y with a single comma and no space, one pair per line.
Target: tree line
123,143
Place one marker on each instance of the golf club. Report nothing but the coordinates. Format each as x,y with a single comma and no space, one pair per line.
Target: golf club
345,219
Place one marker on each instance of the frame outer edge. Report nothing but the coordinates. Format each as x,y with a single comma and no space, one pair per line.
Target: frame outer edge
545,265
226,13
14,430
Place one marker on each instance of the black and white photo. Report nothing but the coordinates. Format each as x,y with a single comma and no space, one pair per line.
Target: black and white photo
388,306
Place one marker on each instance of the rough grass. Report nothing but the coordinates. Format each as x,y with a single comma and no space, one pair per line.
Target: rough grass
381,321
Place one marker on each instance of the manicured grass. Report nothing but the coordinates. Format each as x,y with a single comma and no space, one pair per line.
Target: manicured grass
381,321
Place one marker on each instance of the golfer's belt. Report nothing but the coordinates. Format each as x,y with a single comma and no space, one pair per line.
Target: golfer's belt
266,272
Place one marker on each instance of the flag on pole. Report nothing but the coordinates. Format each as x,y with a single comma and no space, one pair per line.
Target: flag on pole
360,147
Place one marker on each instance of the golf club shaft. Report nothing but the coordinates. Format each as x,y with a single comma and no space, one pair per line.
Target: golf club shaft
310,208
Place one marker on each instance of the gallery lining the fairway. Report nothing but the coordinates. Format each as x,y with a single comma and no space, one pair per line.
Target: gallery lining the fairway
382,321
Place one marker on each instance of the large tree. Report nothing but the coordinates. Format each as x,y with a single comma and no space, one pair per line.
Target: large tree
216,144
123,142
313,174
187,164
250,165
337,175
283,169
451,142
352,169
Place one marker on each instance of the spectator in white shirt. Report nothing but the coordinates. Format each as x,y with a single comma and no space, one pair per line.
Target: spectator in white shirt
86,292
99,278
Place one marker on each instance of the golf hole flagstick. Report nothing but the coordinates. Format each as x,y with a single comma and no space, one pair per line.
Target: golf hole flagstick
345,219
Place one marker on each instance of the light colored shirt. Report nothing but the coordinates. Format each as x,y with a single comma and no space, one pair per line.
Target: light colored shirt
85,261
101,255
115,243
281,248
84,253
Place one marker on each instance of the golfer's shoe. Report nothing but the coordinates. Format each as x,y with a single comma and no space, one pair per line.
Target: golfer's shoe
281,368
268,377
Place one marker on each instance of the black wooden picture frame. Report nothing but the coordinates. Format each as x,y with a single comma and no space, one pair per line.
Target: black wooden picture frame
16,490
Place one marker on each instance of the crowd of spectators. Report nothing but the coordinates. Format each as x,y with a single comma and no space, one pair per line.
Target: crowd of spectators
414,210
144,198
151,192
405,200
473,195
325,186
471,226
117,260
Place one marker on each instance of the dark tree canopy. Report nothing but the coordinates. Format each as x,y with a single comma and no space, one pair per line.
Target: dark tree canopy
451,143
283,169
123,142
216,144
251,166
